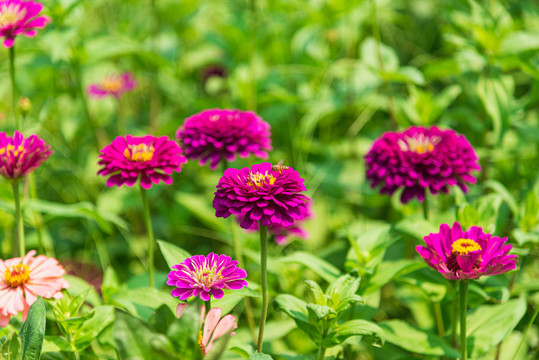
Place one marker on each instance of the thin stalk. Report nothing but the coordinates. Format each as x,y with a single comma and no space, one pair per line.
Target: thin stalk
322,349
439,319
148,221
454,312
426,207
264,281
463,293
17,119
251,97
18,218
44,242
207,305
532,320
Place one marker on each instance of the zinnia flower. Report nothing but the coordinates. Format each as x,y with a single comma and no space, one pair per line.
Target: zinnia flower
206,276
420,158
113,85
461,255
219,135
149,158
22,280
19,156
261,194
20,18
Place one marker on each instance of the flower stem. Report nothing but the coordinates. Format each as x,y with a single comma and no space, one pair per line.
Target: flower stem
148,220
532,320
426,206
454,311
439,319
17,119
18,217
463,293
207,305
264,281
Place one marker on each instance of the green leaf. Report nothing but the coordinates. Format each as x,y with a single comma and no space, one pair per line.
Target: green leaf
90,330
416,228
342,292
320,267
519,41
500,189
488,325
468,216
496,94
297,310
354,328
11,347
148,297
408,337
259,356
56,344
320,312
316,292
529,212
33,331
173,254
390,270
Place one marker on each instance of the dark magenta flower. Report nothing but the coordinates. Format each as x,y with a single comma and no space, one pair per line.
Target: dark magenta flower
219,135
19,156
461,255
206,276
113,85
148,158
261,194
418,159
20,18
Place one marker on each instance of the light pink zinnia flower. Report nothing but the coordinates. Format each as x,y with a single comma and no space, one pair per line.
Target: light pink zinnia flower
19,156
20,18
214,328
113,85
22,280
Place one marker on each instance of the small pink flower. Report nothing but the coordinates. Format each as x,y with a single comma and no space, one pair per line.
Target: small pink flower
113,85
22,280
214,328
20,18
19,155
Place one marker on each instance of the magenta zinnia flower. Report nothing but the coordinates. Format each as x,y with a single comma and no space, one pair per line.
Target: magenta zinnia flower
418,159
148,158
206,276
22,280
461,255
219,135
20,18
259,193
113,85
19,156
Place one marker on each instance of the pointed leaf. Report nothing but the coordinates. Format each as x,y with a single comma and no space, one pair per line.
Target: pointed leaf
33,331
354,328
173,254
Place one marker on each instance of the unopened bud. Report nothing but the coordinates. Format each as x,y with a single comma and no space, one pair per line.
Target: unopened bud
25,105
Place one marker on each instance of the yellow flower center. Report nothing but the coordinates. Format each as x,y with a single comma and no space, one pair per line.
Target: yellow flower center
464,246
419,144
140,152
256,180
10,14
112,84
207,276
16,275
11,150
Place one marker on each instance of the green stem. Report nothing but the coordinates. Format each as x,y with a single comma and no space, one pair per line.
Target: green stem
322,349
251,97
207,305
264,281
532,320
455,310
426,206
463,293
148,221
18,217
16,118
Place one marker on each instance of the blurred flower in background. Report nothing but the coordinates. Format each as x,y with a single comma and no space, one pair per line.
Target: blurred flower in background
418,159
461,255
148,158
19,155
219,135
22,280
20,18
113,85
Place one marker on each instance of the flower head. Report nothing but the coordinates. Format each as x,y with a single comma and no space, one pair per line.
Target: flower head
148,158
20,18
19,155
219,135
214,328
461,255
113,85
418,159
206,276
261,194
22,280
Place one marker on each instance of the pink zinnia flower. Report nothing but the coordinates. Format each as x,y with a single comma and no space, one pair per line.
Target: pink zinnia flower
148,158
261,194
461,255
19,156
219,135
206,276
22,280
418,159
20,18
113,85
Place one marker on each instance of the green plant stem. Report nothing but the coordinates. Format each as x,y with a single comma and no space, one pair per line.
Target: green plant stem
439,319
463,294
264,281
251,97
19,221
207,305
322,349
530,323
17,119
426,207
455,310
148,221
